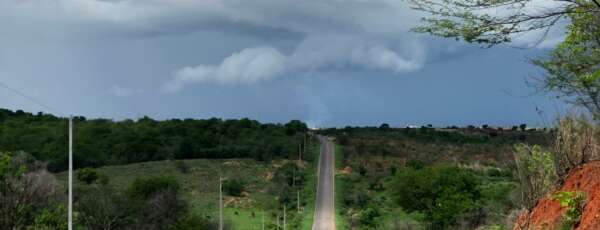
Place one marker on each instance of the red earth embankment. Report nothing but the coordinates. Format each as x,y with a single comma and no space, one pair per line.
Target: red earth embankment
547,213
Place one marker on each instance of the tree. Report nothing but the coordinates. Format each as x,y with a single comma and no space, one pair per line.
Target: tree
25,189
442,193
523,127
384,126
144,188
571,68
101,208
87,175
233,187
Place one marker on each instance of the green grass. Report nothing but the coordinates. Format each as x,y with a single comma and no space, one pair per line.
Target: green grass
310,190
341,222
200,187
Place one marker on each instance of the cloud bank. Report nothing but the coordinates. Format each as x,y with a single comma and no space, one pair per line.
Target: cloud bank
286,37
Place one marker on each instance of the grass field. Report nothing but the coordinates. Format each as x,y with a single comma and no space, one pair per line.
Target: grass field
341,223
200,188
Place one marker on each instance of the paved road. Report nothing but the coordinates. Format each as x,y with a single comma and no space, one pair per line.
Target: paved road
324,208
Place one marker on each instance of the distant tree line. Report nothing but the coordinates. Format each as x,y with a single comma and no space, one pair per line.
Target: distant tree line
453,134
99,142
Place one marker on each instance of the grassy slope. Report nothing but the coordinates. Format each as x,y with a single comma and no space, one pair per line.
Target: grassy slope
341,222
200,187
310,190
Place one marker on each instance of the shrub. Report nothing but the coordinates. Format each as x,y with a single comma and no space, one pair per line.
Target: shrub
182,166
87,175
52,217
577,142
536,172
442,193
233,187
146,187
100,207
573,203
195,222
415,164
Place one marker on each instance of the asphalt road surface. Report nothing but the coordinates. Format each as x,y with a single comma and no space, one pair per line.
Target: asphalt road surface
324,208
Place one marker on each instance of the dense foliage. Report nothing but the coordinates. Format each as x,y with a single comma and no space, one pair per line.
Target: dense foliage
442,193
101,142
28,197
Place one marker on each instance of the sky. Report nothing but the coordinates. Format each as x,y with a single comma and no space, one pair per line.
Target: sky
327,62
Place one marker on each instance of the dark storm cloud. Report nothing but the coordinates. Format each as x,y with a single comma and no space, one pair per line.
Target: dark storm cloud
268,59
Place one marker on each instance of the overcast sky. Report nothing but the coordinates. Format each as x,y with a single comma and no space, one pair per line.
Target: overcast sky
328,62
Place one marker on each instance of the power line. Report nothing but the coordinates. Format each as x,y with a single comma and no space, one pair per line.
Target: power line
24,95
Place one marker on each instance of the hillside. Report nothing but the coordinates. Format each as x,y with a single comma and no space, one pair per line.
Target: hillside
548,213
100,142
200,187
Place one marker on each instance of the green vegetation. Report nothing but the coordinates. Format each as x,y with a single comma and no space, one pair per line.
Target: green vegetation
28,198
87,175
536,172
102,142
442,193
233,187
425,178
573,203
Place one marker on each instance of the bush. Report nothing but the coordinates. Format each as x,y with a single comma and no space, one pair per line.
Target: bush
87,175
146,187
100,207
233,187
442,193
182,166
195,222
415,164
536,172
577,142
52,217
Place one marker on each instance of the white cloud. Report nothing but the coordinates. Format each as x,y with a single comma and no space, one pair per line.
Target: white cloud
248,66
379,57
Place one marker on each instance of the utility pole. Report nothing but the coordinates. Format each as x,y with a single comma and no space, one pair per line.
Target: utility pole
220,203
70,214
299,153
304,149
284,207
294,177
298,199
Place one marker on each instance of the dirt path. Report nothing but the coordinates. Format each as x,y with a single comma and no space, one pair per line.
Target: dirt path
324,209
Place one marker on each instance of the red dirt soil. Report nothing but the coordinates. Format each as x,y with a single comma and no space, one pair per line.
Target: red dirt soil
547,213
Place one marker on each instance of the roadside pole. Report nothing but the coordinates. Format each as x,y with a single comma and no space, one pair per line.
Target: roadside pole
220,203
70,213
284,207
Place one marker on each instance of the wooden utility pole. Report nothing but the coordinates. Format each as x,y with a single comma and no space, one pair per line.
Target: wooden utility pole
70,213
284,207
298,199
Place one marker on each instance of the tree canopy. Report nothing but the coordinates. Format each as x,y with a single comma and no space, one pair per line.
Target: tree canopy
101,142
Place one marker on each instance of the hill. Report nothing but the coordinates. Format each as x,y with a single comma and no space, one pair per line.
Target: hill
200,187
